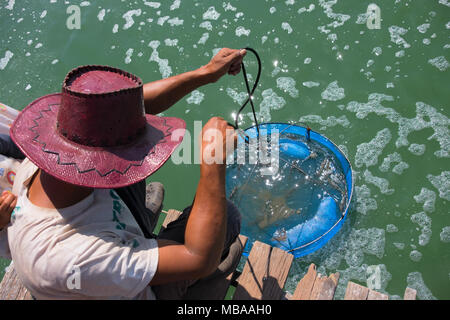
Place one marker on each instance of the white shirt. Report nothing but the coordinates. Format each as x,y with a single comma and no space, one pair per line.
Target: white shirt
91,250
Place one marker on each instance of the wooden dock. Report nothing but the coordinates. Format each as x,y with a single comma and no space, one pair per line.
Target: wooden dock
262,278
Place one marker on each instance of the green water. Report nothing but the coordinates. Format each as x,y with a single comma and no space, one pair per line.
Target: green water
380,94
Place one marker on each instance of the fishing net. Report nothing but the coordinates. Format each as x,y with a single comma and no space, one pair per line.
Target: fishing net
292,185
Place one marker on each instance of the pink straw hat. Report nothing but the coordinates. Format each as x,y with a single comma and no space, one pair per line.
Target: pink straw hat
96,133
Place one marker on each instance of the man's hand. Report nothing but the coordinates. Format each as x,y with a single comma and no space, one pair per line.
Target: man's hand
218,139
7,204
225,61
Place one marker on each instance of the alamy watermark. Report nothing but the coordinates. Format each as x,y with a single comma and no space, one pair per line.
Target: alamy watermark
74,19
373,17
74,280
262,149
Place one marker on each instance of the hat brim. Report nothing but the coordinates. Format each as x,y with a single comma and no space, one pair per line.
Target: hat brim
34,132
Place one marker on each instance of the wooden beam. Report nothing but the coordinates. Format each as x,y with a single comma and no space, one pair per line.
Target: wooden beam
11,287
410,294
374,295
306,284
324,287
264,273
356,292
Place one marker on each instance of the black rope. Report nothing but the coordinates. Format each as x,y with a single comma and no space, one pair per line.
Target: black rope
249,92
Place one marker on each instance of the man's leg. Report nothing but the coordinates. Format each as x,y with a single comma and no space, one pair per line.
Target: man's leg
175,231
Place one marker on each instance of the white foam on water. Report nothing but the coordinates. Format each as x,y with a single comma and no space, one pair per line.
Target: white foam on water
238,97
428,198
175,22
399,245
10,4
154,5
426,41
272,10
380,183
424,223
128,16
28,87
115,28
211,14
43,14
396,34
415,255
391,228
400,54
175,5
4,61
417,149
286,26
304,9
311,84
338,18
271,101
423,27
241,31
364,202
39,45
163,64
228,7
415,281
439,62
129,53
391,158
445,234
367,153
55,61
333,92
441,183
162,20
101,15
330,121
377,51
445,2
426,117
203,38
85,4
287,84
196,97
206,25
171,42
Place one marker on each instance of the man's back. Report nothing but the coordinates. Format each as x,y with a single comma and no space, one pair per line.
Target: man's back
93,249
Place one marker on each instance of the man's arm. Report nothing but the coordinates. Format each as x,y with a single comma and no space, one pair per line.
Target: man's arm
205,232
162,94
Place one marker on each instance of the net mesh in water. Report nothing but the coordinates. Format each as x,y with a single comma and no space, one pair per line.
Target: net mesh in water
293,187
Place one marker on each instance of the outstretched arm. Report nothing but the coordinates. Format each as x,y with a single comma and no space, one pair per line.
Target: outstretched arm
162,94
205,231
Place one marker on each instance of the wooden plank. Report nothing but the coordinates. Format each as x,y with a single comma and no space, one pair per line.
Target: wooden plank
11,287
305,285
264,274
410,294
324,287
356,292
172,215
374,295
216,289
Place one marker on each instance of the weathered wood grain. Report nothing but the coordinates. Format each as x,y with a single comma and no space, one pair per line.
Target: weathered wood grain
410,294
356,292
264,273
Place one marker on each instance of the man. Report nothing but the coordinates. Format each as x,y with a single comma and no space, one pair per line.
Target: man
71,235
